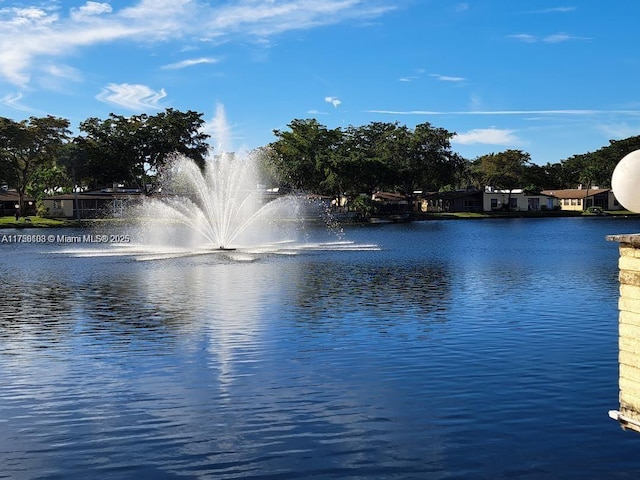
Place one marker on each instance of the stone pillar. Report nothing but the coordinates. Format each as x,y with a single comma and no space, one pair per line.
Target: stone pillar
628,332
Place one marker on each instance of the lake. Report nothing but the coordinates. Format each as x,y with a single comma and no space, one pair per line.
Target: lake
458,349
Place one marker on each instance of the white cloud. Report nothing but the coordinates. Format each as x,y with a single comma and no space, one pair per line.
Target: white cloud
335,101
570,112
415,76
12,100
32,36
462,7
555,10
59,78
189,63
90,9
487,136
619,130
524,37
554,38
64,72
132,97
446,78
562,37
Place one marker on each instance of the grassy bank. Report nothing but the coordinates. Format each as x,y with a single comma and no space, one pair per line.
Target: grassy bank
40,222
539,214
36,222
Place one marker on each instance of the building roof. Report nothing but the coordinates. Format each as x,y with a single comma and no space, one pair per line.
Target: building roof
576,192
105,194
450,195
391,197
12,196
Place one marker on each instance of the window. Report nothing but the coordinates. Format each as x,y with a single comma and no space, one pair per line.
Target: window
494,203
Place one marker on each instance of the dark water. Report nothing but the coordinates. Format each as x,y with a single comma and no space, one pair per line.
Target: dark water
462,349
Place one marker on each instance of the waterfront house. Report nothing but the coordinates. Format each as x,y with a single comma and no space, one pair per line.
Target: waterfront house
469,200
82,205
516,200
10,198
582,198
488,200
391,203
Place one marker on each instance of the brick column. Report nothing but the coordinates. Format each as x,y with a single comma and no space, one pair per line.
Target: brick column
628,332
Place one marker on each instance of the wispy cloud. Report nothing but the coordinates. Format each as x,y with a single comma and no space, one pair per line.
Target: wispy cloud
132,97
487,136
90,9
524,37
335,101
554,38
415,76
462,7
447,78
35,35
619,130
12,100
554,10
189,63
508,112
64,72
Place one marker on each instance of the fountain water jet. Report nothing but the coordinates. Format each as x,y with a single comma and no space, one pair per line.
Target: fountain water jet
223,208
221,205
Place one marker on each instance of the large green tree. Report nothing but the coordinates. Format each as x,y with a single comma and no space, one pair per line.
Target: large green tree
430,163
504,170
29,147
303,154
360,159
134,150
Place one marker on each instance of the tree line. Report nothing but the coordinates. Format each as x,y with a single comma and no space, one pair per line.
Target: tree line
39,156
392,157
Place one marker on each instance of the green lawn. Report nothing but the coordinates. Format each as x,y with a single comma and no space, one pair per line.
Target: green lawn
549,214
11,222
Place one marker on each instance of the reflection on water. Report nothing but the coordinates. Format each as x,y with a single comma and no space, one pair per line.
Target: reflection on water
459,350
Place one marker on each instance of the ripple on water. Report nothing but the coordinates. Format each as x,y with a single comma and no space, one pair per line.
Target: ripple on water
408,362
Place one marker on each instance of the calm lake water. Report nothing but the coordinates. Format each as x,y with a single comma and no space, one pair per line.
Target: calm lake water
460,349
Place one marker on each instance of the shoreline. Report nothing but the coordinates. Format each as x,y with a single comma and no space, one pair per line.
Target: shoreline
39,222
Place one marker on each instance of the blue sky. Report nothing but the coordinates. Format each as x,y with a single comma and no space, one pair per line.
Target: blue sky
553,79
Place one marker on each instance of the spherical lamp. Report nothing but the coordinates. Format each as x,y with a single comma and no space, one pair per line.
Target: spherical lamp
625,181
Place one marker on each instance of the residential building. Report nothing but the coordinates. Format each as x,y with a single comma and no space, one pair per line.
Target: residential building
516,200
10,198
488,200
582,198
95,204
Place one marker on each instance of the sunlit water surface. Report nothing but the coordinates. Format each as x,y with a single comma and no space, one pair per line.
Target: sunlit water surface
459,349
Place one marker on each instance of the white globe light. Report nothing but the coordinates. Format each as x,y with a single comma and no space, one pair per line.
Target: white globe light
625,181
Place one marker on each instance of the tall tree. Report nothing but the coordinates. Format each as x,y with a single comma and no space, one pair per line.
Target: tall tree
302,155
135,149
360,158
29,146
505,170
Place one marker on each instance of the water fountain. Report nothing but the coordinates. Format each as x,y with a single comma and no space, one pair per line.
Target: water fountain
222,208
